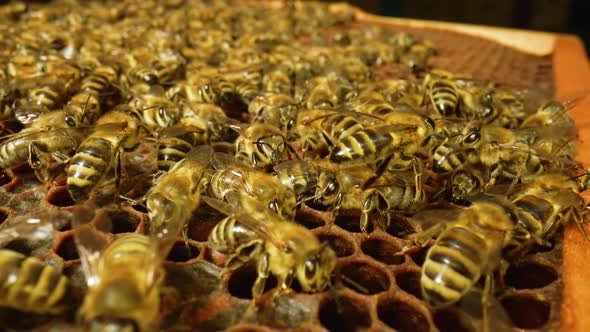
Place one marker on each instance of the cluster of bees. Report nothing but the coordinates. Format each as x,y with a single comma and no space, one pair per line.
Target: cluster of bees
258,118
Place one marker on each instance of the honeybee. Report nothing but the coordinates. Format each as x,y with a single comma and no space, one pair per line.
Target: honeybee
393,191
156,72
261,145
551,113
401,91
285,249
232,175
546,203
28,284
310,180
84,107
505,153
275,109
157,110
278,81
115,130
402,133
320,128
41,148
442,93
466,249
123,277
177,193
246,82
465,183
50,94
325,92
417,56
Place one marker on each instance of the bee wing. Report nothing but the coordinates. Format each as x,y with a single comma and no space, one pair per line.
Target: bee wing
390,179
90,243
427,219
234,208
490,316
306,168
27,114
178,130
36,225
221,161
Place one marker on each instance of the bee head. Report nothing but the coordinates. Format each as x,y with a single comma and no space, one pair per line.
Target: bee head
314,273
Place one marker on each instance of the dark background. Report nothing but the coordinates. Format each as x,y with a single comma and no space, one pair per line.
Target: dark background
564,16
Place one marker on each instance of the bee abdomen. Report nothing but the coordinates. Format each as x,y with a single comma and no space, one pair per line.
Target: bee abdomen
95,84
88,166
171,151
444,97
26,284
452,266
445,159
361,145
228,235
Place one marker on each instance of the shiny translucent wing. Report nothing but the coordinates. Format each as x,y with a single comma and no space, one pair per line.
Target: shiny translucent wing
247,217
38,225
178,130
223,161
305,168
90,243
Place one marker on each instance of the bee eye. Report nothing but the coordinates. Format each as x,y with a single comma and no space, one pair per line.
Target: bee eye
310,268
290,124
332,187
70,121
473,137
429,122
161,112
488,111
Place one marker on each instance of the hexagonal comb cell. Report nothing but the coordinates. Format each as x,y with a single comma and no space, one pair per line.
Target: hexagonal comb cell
363,277
338,241
409,281
344,313
401,315
59,196
118,221
452,320
4,178
66,248
527,311
4,214
531,275
383,250
183,252
240,282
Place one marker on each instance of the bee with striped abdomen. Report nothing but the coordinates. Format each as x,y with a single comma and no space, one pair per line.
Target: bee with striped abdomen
100,152
442,93
123,277
285,249
177,193
261,145
232,175
469,247
314,181
27,283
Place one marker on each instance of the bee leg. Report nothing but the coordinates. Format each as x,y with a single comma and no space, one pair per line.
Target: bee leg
36,162
486,300
263,269
368,207
335,209
421,239
117,177
417,167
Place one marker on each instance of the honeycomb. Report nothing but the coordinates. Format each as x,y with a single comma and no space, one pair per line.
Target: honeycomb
374,287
